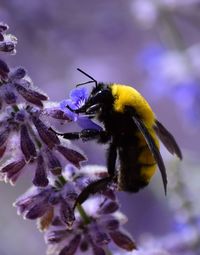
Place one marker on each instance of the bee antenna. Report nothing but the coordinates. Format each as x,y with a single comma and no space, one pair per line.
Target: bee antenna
92,79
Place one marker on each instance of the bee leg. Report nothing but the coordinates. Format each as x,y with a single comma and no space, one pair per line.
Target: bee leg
85,135
93,188
92,134
70,136
111,159
100,185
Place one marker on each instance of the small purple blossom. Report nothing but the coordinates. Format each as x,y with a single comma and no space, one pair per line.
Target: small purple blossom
4,70
57,200
7,41
71,155
34,203
53,207
17,87
78,98
27,145
23,131
12,170
96,231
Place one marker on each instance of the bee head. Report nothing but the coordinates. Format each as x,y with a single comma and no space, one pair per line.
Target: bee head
100,96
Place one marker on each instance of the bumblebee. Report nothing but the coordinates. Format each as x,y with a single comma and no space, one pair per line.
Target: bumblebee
132,133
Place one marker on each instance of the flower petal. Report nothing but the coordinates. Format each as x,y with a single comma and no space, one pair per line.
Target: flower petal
63,105
56,236
2,151
73,156
67,213
17,74
98,236
13,169
40,178
57,114
85,122
109,223
7,46
53,163
30,95
47,135
108,207
37,211
3,27
27,145
4,69
79,94
72,246
122,240
9,95
4,136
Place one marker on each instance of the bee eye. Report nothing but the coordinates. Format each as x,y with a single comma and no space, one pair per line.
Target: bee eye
100,97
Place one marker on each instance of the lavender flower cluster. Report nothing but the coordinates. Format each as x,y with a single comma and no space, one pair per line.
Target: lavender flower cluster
27,143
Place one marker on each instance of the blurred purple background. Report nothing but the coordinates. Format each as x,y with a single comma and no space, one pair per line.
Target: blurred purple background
154,47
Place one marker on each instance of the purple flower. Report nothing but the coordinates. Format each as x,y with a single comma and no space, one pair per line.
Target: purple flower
24,135
7,41
78,97
92,230
34,203
4,70
37,203
16,87
55,200
12,170
93,233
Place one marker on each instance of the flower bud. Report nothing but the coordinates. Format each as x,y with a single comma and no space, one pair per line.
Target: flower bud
40,179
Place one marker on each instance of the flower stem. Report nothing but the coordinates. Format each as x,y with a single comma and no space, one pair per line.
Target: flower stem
83,214
62,180
15,108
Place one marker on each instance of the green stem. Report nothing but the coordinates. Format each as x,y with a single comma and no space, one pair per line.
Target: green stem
86,219
62,180
15,108
83,214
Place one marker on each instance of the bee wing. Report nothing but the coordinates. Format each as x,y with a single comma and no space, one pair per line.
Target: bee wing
153,148
167,139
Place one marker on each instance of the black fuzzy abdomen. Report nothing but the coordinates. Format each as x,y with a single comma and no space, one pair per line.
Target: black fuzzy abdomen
129,173
131,148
